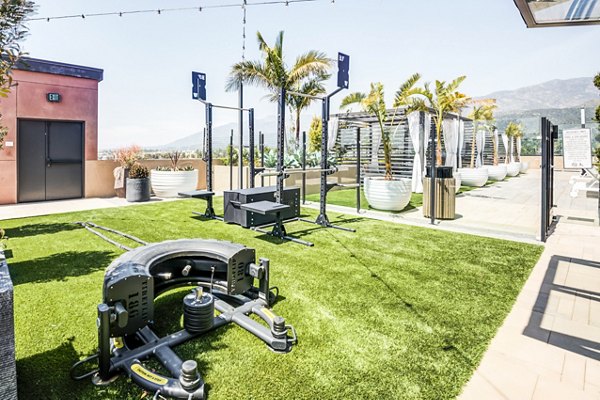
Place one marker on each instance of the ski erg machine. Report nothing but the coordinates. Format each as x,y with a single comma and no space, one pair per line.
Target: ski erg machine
223,273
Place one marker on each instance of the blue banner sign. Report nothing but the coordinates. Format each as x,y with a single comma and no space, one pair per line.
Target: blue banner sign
343,77
198,86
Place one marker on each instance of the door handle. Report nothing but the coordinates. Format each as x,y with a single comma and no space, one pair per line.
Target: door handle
48,162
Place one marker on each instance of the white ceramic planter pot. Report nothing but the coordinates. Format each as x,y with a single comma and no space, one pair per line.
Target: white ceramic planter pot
524,167
170,183
497,172
457,181
513,169
476,177
392,195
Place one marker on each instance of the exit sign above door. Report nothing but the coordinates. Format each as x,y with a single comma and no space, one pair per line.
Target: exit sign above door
53,97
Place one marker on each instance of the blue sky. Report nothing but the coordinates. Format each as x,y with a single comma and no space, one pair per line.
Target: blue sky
147,59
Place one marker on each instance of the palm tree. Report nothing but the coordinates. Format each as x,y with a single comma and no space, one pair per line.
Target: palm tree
445,99
374,103
306,76
483,112
513,130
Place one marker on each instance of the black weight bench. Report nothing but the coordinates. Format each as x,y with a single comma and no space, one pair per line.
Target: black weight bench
271,208
202,195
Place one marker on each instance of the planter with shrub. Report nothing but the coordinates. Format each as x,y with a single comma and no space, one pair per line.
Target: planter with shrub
138,183
170,181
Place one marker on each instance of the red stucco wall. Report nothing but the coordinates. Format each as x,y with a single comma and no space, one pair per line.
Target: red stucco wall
27,100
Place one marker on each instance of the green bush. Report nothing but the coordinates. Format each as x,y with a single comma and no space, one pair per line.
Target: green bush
138,171
314,134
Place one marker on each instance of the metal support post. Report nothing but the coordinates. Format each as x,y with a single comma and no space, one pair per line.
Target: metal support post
241,133
261,146
280,145
251,145
231,160
322,219
358,170
104,342
433,176
210,212
303,167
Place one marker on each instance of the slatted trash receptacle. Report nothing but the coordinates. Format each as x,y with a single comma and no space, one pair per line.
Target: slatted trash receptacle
8,370
445,198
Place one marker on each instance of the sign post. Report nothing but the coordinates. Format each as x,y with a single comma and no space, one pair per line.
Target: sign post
577,148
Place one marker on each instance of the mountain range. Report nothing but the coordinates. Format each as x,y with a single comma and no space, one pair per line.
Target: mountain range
559,99
554,94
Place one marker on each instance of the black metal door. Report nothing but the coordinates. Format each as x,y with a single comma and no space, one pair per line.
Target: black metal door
50,160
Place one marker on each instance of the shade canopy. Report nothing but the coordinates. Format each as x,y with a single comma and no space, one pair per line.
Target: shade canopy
545,13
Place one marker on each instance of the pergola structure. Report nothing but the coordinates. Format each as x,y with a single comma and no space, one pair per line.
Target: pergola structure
547,13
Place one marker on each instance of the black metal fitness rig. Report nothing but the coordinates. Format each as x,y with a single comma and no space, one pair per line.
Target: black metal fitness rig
223,274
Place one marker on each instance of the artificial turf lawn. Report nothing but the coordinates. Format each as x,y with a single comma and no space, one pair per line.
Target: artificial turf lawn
347,198
391,311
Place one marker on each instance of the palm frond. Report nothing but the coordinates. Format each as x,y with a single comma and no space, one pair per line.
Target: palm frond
249,72
352,98
311,63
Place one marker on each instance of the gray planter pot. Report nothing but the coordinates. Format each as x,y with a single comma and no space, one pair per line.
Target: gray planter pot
138,190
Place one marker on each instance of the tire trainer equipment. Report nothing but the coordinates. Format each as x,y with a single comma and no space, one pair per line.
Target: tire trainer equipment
224,275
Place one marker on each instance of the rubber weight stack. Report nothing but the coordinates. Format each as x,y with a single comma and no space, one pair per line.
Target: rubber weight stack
198,312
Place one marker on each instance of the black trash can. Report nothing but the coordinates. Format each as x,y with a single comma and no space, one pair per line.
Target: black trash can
440,172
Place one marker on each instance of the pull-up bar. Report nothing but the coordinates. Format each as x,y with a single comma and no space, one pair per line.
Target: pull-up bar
199,93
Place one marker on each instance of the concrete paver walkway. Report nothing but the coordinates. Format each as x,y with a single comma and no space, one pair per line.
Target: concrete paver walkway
62,206
549,345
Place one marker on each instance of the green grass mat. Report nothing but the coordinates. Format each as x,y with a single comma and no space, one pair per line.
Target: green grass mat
388,312
347,198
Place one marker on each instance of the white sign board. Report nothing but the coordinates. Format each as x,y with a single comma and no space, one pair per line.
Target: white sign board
577,148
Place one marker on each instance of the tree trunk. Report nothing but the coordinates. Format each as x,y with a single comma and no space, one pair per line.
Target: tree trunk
495,147
298,126
438,150
387,151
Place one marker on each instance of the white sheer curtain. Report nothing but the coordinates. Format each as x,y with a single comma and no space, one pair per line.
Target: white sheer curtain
519,148
505,143
426,134
461,141
332,131
480,146
450,131
376,142
414,130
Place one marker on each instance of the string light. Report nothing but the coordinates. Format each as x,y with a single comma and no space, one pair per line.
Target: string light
162,11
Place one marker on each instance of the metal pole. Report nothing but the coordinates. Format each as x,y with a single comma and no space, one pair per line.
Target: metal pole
231,160
251,145
544,200
583,117
322,218
358,170
241,131
104,342
261,145
280,144
432,176
209,161
303,167
209,150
